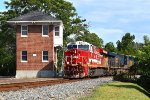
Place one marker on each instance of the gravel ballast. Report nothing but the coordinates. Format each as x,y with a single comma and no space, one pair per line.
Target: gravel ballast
66,91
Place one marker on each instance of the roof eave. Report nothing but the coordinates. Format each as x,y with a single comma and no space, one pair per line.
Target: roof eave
34,22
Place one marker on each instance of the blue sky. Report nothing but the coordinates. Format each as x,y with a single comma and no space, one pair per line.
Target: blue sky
111,19
2,5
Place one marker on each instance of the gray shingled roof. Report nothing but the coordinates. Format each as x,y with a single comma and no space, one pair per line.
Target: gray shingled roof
34,16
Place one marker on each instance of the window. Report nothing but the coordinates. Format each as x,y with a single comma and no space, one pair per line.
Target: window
24,30
83,47
57,31
24,56
45,30
69,47
44,56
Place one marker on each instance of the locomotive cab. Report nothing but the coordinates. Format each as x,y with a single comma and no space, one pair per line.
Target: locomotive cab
82,60
76,56
75,53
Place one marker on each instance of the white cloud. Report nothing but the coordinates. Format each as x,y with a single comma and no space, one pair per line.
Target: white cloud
130,9
124,20
113,35
139,36
3,10
98,17
111,19
109,34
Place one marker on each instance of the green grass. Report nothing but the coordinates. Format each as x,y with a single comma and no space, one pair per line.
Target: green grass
118,91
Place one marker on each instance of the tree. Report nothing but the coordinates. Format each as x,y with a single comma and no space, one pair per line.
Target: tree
60,9
119,46
110,47
138,46
91,38
126,45
144,57
144,64
146,39
7,48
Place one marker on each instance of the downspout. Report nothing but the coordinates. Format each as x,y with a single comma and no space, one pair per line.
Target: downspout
56,62
53,53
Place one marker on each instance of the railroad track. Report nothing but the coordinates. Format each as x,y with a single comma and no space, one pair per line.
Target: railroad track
25,85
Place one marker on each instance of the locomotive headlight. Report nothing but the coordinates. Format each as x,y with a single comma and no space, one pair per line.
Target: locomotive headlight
79,52
75,56
67,62
75,51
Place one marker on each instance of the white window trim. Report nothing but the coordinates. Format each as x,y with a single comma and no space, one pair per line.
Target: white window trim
54,31
21,56
42,58
42,31
24,30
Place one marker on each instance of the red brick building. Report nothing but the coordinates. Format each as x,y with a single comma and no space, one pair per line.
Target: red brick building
37,37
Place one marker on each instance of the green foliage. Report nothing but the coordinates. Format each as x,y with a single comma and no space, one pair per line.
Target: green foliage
125,77
138,46
146,40
60,58
7,47
144,81
126,45
91,38
110,47
144,64
60,9
144,60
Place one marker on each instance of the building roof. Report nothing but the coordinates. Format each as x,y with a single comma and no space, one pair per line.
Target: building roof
79,43
34,16
112,54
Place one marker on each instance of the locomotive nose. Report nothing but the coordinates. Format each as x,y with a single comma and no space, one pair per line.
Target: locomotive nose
71,57
74,56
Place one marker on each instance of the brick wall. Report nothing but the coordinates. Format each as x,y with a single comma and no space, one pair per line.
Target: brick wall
34,44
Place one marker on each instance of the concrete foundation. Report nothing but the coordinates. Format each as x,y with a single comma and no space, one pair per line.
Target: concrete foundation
34,74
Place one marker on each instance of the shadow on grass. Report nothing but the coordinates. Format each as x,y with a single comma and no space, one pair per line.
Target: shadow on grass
135,87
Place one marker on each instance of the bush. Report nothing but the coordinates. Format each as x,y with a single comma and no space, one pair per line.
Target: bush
144,81
124,77
8,69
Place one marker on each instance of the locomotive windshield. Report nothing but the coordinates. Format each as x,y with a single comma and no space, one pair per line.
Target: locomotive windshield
83,47
71,47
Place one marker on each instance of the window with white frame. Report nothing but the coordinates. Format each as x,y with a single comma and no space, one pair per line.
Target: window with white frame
57,30
24,30
24,56
45,30
44,56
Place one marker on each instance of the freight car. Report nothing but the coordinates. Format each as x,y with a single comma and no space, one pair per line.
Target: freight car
83,59
119,63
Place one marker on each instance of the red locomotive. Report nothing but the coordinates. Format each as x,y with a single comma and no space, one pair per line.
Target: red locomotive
83,59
